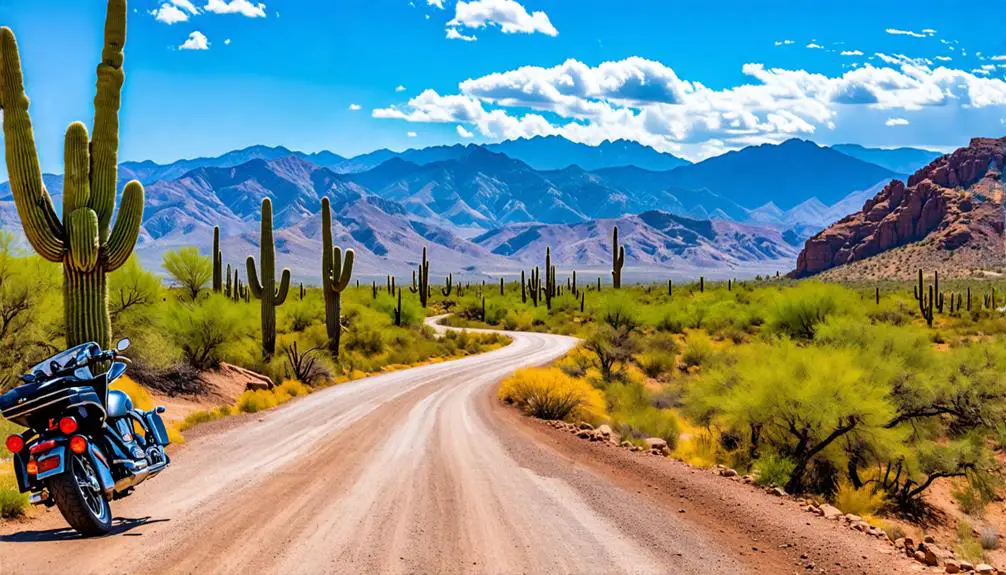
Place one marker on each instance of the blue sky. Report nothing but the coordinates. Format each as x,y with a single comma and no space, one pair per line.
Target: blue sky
350,76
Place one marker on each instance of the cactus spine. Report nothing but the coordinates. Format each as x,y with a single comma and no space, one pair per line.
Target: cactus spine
218,262
266,290
336,272
617,260
84,241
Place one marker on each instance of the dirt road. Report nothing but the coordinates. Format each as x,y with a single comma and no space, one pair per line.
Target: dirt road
410,472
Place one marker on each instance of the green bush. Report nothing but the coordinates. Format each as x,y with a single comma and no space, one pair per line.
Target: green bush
210,329
773,470
799,311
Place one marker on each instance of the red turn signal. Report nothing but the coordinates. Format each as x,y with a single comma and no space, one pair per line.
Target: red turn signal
32,467
49,463
78,444
14,443
68,425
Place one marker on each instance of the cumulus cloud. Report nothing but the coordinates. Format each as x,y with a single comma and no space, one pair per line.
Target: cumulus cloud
926,33
851,53
453,34
815,46
411,134
944,58
509,15
464,133
242,7
783,42
174,11
355,107
400,88
896,122
197,41
648,102
437,3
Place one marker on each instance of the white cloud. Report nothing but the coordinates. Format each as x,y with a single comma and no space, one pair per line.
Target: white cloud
437,3
896,122
646,101
411,134
355,107
509,15
464,133
815,46
783,42
851,53
944,58
227,42
926,33
242,7
400,88
998,58
174,11
453,34
197,41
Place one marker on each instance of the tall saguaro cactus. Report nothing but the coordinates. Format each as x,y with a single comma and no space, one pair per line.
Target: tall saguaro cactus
423,287
335,274
218,262
265,290
84,240
617,260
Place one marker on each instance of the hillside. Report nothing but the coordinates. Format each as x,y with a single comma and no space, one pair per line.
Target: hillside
948,217
900,160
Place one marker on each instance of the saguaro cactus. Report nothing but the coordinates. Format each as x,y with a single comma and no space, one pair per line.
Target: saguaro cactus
617,259
218,262
336,272
423,288
83,241
265,290
448,284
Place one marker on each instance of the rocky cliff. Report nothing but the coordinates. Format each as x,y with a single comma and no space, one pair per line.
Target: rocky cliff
955,202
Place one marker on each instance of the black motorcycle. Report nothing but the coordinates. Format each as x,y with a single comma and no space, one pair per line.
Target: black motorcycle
85,444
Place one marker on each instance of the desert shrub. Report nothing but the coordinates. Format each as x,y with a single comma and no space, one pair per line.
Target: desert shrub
256,401
648,422
299,314
893,530
548,393
968,546
292,388
364,339
969,499
774,470
863,501
655,364
191,271
698,350
209,329
204,416
799,311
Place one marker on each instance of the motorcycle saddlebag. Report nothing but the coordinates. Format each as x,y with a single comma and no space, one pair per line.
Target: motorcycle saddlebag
157,429
33,403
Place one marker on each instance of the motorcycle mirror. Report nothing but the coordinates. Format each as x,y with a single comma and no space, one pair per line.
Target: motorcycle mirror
122,345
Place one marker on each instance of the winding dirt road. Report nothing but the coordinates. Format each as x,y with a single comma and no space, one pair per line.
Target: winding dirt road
418,471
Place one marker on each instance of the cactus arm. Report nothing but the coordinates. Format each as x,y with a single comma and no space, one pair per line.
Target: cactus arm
41,224
82,228
253,283
347,271
284,287
127,227
77,166
107,100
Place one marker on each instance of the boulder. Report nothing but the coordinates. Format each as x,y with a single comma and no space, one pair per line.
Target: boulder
656,443
830,512
935,555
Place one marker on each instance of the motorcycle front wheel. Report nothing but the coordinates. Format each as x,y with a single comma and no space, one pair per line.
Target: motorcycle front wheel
79,498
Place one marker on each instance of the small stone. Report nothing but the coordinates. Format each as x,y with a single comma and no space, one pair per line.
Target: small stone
830,511
852,518
929,539
934,555
627,444
966,566
984,568
899,543
778,491
919,556
728,472
952,566
604,430
584,434
656,443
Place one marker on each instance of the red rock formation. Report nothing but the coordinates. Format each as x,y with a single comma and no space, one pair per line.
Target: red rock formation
952,200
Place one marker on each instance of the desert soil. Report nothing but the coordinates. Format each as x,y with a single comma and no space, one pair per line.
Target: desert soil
424,471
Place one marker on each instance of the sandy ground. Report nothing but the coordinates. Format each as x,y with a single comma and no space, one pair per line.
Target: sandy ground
423,471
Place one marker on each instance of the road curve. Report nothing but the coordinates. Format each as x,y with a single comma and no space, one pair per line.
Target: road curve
399,473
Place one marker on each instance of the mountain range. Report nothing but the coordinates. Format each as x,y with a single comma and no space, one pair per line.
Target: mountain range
481,209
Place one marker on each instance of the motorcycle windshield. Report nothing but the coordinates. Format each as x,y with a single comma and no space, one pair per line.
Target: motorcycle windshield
60,360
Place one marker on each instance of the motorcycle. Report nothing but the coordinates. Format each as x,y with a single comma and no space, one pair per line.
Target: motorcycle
85,444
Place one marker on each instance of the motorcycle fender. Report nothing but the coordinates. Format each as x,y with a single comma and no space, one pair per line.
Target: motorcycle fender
101,467
58,451
21,474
